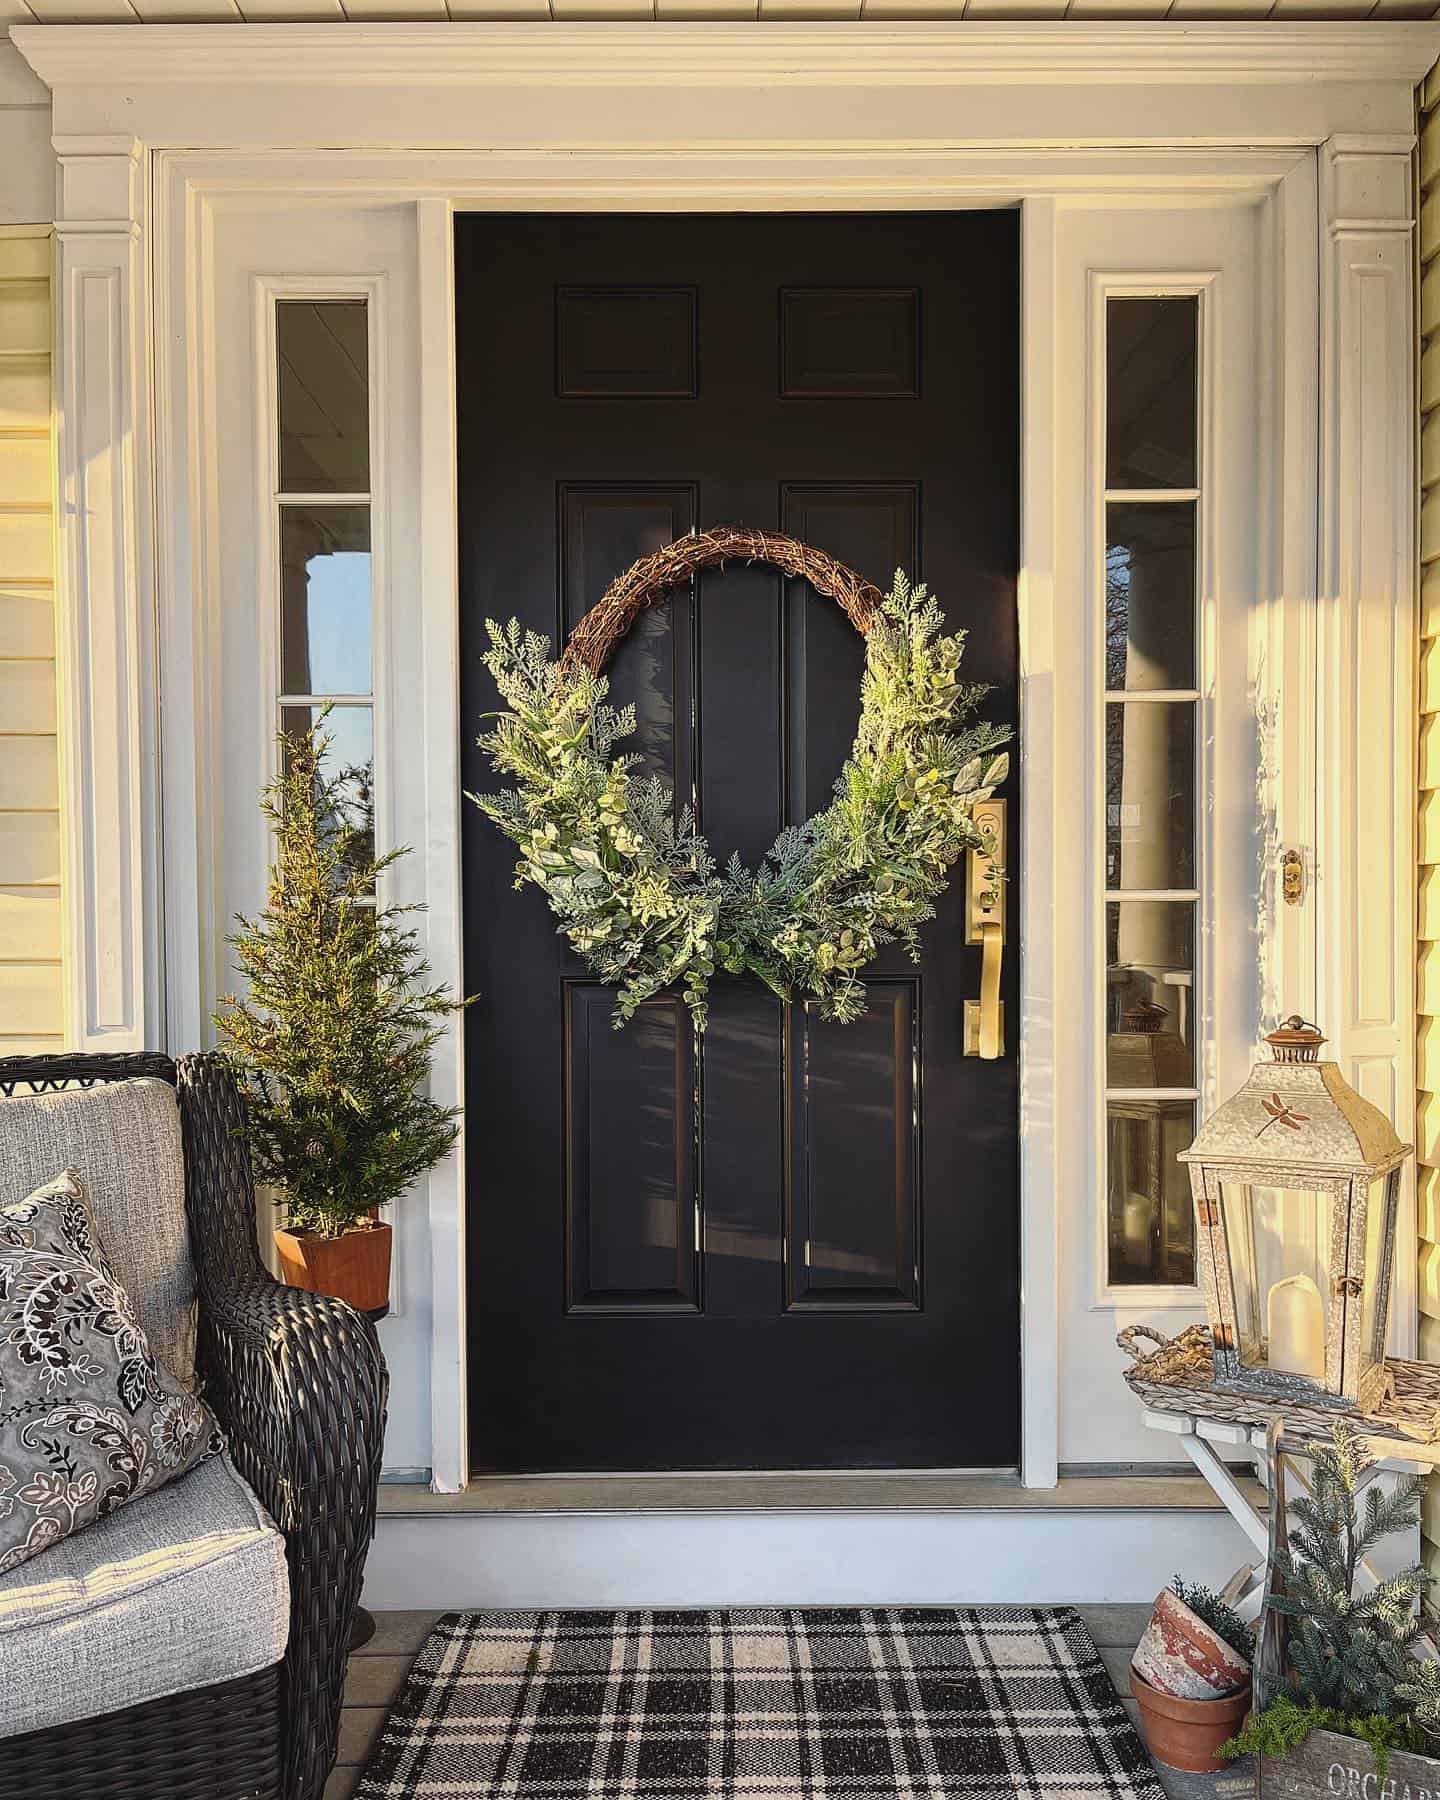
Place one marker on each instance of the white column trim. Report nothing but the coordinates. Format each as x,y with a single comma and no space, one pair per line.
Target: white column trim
1365,884
440,631
1048,1050
106,640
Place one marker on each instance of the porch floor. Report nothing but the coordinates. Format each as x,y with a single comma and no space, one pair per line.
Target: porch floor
377,1672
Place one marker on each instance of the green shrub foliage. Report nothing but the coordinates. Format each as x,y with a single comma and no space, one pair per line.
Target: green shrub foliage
1218,1614
635,888
333,1036
1349,1649
1286,1723
1351,1665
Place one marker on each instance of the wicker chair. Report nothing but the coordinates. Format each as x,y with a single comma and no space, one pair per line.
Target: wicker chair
298,1382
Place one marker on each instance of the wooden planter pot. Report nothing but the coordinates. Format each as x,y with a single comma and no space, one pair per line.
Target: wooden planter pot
353,1267
1187,1734
1327,1766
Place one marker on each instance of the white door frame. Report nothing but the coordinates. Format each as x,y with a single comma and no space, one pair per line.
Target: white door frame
667,117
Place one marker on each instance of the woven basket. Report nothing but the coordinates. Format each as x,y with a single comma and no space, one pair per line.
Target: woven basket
1178,1376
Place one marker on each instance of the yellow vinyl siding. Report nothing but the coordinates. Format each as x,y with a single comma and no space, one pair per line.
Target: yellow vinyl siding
32,1004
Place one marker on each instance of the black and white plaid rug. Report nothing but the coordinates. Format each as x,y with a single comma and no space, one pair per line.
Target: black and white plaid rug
909,1703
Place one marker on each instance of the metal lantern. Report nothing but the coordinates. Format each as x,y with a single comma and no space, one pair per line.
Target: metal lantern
1296,1187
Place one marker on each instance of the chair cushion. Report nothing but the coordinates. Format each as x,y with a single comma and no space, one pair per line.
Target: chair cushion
124,1138
89,1421
186,1589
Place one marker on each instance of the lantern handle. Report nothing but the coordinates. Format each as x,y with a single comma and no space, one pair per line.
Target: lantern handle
1125,1340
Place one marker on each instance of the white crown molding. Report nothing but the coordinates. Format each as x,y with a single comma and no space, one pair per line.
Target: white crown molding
713,55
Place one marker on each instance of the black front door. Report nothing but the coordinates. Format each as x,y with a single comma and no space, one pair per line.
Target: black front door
791,1243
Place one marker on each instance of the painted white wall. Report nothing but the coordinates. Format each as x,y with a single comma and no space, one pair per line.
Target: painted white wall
27,163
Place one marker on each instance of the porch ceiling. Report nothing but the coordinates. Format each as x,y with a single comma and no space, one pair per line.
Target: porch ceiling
173,12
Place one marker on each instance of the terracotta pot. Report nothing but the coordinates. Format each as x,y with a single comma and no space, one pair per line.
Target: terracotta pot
1185,1734
1180,1654
353,1267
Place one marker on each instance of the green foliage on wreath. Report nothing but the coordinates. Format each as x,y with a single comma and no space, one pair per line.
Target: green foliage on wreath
637,893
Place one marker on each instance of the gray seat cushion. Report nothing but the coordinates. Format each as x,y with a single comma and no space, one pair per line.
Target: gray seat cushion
187,1588
124,1138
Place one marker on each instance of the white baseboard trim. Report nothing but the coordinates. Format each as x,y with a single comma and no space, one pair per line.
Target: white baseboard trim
461,1560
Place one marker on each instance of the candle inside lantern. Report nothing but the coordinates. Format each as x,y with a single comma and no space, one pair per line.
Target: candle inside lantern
1296,1320
1136,1229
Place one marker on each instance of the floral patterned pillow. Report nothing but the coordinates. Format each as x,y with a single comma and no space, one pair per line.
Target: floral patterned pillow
89,1421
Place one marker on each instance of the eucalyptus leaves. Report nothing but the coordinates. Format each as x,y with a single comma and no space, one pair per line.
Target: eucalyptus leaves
639,896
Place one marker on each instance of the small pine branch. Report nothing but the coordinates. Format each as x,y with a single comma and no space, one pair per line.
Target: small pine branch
1349,1649
1218,1614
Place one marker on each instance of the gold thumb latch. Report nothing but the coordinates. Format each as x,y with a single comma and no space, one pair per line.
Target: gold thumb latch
985,925
1292,877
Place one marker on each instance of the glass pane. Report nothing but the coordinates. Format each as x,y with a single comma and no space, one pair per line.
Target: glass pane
1150,795
1150,597
1379,1248
1149,999
1151,1220
1279,1244
325,599
1150,392
323,355
350,758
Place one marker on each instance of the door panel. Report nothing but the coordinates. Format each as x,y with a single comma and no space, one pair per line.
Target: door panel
630,1187
788,1243
854,1153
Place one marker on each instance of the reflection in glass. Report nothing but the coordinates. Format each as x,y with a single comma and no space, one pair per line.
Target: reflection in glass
1273,1236
1150,795
1150,596
1151,1223
349,760
1384,1193
325,599
1149,954
1150,347
323,354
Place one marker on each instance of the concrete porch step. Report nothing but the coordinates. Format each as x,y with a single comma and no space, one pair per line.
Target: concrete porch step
847,1539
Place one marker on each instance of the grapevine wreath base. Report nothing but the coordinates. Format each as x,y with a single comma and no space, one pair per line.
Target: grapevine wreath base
637,892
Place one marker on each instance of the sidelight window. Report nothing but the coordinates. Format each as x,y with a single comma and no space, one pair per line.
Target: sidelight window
1152,508
322,501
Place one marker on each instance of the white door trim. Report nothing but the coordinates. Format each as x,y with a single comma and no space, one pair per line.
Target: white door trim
904,158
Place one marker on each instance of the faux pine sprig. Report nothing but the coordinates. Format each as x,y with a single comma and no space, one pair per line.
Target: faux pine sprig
634,887
1350,1649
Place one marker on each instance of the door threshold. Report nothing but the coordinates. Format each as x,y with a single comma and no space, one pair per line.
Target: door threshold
825,1491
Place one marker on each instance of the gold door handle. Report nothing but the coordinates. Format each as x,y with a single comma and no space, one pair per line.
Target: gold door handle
992,940
984,1034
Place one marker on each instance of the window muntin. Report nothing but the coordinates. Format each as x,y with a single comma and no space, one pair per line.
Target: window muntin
1151,898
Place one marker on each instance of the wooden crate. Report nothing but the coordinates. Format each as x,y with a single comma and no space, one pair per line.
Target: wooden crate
1330,1767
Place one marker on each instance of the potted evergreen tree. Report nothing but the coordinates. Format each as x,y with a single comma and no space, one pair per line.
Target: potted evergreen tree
332,1038
1348,1706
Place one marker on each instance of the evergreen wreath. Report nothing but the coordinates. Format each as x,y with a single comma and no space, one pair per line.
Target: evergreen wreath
636,890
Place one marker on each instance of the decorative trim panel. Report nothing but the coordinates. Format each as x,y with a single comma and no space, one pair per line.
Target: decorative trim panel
1365,761
105,629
